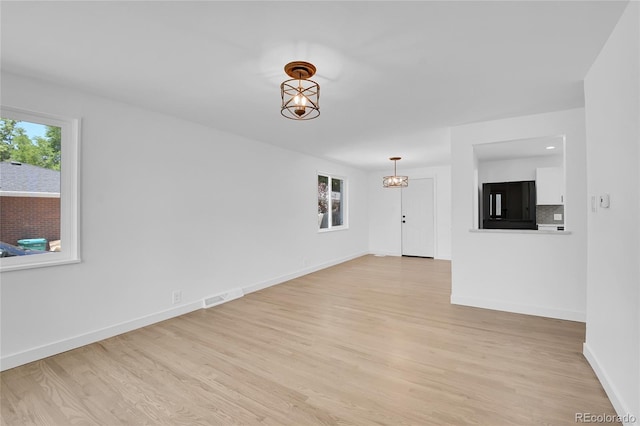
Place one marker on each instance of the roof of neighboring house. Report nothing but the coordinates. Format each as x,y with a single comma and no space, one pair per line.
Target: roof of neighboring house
20,177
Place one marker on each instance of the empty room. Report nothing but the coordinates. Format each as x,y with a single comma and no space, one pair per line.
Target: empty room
320,212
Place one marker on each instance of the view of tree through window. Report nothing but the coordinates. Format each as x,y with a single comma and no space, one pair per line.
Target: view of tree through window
30,164
30,143
331,202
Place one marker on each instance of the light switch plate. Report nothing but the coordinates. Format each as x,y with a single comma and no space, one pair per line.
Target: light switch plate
557,216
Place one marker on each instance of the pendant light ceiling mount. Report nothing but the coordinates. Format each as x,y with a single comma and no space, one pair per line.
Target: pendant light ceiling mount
300,70
395,181
299,94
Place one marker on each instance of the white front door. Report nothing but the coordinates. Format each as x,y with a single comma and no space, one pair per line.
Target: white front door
418,219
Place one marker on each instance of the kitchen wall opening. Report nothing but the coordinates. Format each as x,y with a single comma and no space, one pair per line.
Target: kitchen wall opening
520,184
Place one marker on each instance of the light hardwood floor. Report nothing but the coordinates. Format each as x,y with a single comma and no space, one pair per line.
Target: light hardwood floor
368,342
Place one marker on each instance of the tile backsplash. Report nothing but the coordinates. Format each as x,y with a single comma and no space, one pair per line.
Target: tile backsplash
544,214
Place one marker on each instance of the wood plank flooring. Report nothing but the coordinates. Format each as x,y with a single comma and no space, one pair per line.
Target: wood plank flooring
373,341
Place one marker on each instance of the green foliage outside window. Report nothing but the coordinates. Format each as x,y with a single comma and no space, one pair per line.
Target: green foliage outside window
323,190
39,151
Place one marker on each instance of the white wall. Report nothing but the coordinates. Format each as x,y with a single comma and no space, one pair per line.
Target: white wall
613,274
385,210
531,273
515,169
167,205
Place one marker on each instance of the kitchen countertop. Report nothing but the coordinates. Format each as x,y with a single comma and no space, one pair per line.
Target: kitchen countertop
518,231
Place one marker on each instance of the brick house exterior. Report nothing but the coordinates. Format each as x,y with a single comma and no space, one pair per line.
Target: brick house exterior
29,217
29,202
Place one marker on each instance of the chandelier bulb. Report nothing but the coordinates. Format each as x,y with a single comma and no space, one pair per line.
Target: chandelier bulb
300,101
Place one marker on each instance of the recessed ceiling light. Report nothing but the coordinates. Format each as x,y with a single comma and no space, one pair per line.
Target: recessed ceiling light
551,147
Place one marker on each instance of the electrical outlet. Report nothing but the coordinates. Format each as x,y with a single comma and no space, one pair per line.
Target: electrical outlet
176,296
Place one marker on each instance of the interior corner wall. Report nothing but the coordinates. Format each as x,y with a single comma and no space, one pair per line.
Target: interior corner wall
385,210
166,205
532,273
612,103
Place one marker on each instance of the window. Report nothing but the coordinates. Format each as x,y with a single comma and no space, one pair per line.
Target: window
38,189
332,203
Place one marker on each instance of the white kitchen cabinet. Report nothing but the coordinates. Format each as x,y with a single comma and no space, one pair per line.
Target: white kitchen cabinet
549,186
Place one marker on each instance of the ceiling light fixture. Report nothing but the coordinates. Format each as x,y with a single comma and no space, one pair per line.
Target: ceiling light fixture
300,95
550,147
395,181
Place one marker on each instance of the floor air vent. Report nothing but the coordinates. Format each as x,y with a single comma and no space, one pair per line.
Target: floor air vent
210,301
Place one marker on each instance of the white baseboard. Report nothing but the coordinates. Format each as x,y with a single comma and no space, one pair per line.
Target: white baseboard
287,277
442,257
40,352
614,396
500,305
398,254
385,253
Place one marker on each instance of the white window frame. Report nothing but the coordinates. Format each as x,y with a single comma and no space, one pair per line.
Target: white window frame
345,206
69,192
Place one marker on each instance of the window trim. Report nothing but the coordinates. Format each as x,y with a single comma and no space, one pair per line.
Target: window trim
69,192
345,197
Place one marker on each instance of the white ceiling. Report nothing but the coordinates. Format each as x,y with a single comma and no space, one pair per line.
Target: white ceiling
393,75
521,148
